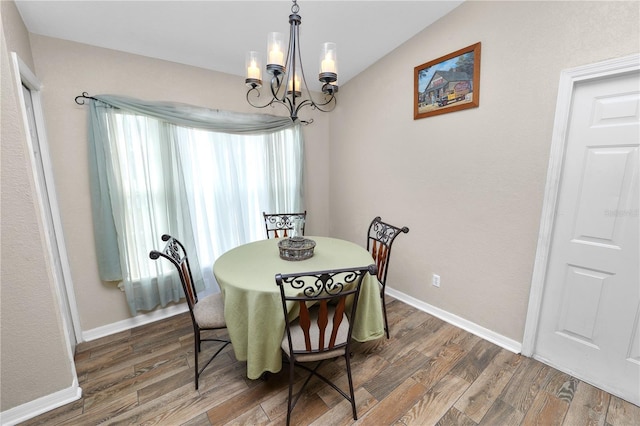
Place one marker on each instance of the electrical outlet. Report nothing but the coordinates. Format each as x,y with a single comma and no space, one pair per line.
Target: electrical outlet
435,280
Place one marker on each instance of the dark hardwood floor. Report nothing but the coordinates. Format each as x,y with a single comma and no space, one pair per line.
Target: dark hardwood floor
429,372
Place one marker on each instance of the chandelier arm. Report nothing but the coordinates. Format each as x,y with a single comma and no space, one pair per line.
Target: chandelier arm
295,50
291,106
275,85
294,34
329,98
257,95
303,78
303,104
332,101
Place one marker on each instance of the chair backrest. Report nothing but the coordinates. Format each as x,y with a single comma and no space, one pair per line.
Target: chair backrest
175,252
279,225
380,238
328,290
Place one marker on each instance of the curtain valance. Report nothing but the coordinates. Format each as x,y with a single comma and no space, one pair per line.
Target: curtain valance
200,117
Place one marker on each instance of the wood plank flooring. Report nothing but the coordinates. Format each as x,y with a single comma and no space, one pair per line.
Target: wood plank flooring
428,373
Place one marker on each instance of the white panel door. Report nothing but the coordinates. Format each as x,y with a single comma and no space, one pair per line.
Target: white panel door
590,312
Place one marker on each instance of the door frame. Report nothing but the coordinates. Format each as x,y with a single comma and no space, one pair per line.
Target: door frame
24,76
568,80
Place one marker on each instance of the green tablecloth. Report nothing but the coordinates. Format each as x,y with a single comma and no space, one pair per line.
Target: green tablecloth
253,310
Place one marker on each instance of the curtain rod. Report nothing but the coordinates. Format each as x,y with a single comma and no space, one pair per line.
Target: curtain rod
80,99
84,95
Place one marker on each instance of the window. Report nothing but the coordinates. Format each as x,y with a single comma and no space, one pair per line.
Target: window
197,185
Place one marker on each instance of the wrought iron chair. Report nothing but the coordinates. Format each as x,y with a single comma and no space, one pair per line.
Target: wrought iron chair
280,225
323,329
380,238
206,313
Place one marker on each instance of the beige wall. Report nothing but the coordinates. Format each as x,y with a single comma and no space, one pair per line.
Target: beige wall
67,69
35,359
468,184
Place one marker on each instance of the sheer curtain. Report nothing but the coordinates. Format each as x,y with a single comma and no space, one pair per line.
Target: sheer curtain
164,168
232,180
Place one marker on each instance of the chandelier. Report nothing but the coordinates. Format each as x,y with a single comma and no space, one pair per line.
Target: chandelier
288,84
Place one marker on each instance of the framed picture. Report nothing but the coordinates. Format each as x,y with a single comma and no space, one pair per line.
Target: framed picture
447,84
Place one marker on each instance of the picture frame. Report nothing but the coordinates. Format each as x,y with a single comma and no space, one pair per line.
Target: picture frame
447,84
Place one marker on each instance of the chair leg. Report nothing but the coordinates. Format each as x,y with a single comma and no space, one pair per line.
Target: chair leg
291,378
196,349
384,312
347,358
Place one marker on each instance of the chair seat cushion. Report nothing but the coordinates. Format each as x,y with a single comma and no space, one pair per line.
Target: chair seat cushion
209,311
297,338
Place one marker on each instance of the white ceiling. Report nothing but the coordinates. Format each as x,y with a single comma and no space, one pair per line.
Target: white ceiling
217,34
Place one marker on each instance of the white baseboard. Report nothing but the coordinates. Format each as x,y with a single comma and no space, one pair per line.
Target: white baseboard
473,328
39,406
129,323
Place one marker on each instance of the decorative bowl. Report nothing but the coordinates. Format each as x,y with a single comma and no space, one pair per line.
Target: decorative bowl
296,248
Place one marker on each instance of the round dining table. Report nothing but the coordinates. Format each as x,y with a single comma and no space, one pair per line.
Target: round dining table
252,305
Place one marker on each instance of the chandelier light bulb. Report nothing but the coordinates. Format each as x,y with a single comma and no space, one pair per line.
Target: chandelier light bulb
328,63
294,84
275,49
254,73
